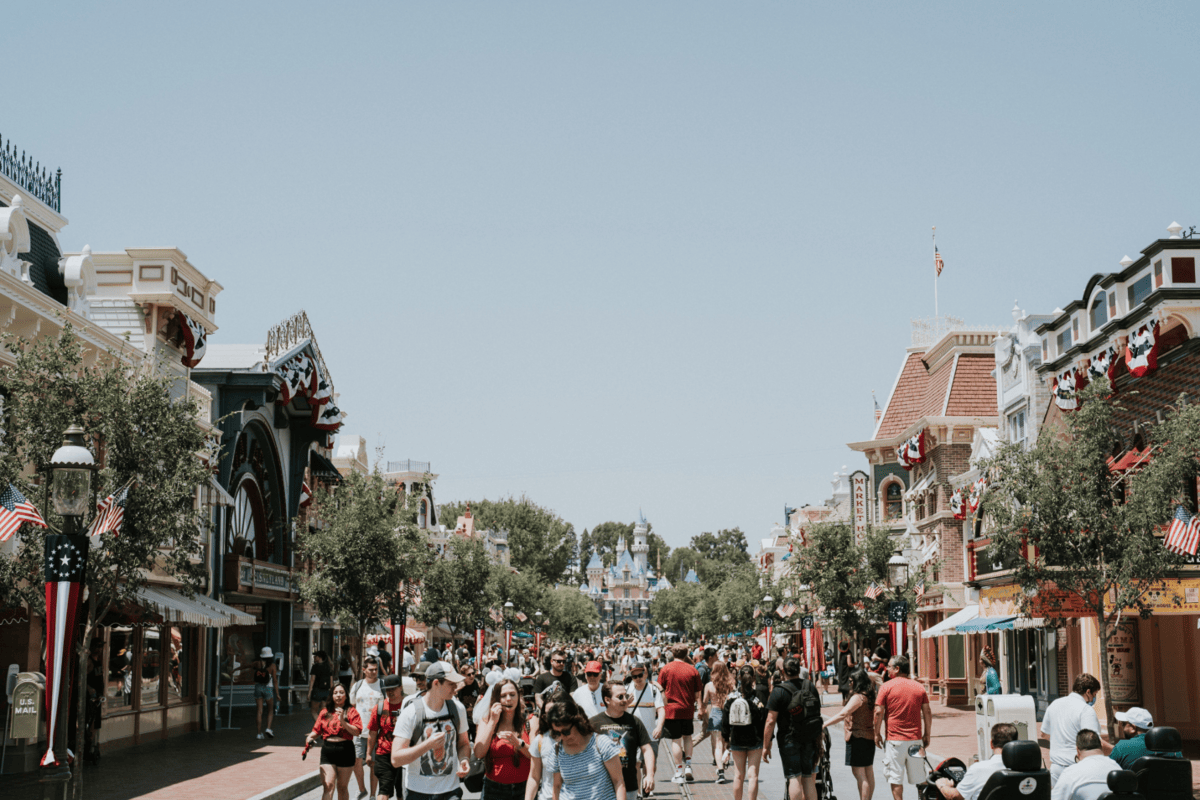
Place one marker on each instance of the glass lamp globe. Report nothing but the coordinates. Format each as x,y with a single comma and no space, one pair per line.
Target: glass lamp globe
897,571
71,475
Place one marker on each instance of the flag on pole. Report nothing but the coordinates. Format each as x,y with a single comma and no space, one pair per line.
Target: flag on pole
480,630
874,590
1184,533
757,612
809,636
938,264
537,639
399,629
919,589
898,626
110,513
195,341
14,510
66,562
508,634
521,616
305,495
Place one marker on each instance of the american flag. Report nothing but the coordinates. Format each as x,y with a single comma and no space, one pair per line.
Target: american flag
779,611
938,264
305,495
757,612
14,510
495,615
195,341
1184,533
110,513
789,609
919,589
874,590
521,616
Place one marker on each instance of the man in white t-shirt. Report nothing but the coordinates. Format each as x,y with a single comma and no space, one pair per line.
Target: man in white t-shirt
977,774
426,738
1088,777
589,696
408,659
1066,717
364,696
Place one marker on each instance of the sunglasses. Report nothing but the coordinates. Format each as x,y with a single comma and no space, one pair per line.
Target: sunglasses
555,732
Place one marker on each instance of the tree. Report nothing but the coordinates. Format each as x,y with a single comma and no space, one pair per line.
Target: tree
726,546
142,438
457,587
682,608
364,551
737,597
539,541
604,537
570,613
1079,538
526,592
680,561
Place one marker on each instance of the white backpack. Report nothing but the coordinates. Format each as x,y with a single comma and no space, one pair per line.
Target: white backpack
739,711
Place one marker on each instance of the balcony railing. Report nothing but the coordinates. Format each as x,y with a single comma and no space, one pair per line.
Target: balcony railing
30,176
408,465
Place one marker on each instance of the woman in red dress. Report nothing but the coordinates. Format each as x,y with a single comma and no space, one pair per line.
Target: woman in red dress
337,724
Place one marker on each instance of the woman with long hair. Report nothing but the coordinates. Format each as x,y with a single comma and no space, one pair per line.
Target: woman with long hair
541,747
338,724
503,741
990,677
585,766
715,694
859,716
745,741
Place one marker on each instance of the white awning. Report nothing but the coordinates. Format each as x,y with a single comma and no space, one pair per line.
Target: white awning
946,626
200,610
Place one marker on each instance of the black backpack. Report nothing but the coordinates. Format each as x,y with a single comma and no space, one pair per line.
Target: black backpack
804,710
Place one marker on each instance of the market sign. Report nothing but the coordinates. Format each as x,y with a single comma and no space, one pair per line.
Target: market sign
996,601
858,501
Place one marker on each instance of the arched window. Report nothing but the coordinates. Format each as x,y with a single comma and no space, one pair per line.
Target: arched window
893,502
1099,311
423,514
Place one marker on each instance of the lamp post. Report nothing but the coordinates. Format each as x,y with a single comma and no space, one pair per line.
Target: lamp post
770,627
897,577
71,469
508,631
642,619
609,608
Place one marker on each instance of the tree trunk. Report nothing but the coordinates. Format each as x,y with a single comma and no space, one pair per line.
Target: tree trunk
1102,624
81,701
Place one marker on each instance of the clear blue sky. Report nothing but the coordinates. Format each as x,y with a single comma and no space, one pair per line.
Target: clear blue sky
616,255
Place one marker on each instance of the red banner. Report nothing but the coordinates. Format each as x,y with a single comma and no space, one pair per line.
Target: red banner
480,631
399,628
770,639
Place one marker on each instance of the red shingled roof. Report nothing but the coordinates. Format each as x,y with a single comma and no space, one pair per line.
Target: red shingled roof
907,400
974,392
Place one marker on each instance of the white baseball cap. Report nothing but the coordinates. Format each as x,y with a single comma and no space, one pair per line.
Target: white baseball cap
1137,717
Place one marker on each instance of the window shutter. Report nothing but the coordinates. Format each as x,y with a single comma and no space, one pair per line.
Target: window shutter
1183,270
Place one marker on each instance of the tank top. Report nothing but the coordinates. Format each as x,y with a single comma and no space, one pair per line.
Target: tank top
862,721
262,673
500,761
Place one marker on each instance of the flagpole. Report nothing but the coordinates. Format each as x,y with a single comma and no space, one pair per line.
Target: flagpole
935,277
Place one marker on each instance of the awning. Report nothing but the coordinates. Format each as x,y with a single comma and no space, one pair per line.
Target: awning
322,468
981,624
200,610
949,624
222,497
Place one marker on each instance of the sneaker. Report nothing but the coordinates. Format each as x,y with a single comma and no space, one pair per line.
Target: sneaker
678,776
270,733
260,736
687,773
720,776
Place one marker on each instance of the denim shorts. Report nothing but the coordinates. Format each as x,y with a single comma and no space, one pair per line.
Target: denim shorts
715,717
797,758
264,691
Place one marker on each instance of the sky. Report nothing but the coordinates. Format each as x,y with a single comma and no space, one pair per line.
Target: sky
616,256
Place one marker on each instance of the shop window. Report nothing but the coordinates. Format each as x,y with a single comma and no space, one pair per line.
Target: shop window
152,664
893,502
955,668
1138,291
118,681
180,648
1075,329
1183,270
1158,276
1099,312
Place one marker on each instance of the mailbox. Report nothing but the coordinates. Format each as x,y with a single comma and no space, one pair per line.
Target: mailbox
27,705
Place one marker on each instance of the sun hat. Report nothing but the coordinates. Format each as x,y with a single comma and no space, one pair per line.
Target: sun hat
266,652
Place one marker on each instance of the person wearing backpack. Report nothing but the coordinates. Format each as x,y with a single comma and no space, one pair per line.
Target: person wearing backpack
431,736
795,710
742,728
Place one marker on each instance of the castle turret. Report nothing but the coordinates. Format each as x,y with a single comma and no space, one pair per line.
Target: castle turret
641,544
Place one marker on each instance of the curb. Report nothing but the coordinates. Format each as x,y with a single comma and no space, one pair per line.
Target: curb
292,789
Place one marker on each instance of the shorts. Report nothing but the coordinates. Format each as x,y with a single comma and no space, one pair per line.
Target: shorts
387,775
318,696
502,791
860,752
339,754
678,728
715,717
897,762
797,758
455,795
745,748
360,747
264,691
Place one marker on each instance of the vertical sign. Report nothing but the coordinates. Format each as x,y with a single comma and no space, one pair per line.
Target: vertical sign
508,631
770,640
1121,661
479,633
858,504
399,626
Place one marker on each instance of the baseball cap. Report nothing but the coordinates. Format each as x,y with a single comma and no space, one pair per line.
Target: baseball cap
421,667
1137,717
389,682
635,666
593,666
442,671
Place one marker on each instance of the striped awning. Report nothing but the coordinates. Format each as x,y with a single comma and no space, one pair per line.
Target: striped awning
981,624
200,610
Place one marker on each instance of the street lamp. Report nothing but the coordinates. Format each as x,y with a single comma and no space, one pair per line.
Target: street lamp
897,572
898,609
768,638
71,469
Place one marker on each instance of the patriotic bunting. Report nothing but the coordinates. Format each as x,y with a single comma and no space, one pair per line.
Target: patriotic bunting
480,630
537,639
14,510
66,561
814,653
1102,364
399,628
1184,533
1141,352
301,376
330,418
195,341
874,591
508,634
769,638
976,496
912,451
110,514
305,495
1066,394
898,626
957,506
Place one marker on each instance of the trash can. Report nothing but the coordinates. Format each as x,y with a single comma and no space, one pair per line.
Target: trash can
1017,709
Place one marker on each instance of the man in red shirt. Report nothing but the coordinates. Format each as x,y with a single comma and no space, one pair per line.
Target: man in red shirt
756,652
904,706
383,727
680,684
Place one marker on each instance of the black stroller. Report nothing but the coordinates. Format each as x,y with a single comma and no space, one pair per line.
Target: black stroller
822,771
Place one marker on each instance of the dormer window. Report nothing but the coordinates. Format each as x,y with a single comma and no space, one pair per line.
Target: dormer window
1064,341
1099,311
1138,291
1075,329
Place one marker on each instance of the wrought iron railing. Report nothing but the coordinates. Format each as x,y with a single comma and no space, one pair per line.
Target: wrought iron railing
32,177
408,465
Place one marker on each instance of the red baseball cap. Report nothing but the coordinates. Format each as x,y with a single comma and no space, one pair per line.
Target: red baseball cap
593,666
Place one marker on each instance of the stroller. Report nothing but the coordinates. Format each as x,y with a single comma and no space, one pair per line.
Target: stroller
822,771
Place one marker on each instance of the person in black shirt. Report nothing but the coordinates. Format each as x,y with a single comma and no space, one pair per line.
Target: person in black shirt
468,693
557,674
627,731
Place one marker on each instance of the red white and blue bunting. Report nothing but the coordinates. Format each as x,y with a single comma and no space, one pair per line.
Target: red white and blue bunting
976,495
1066,392
1141,351
1102,364
301,377
912,451
957,506
195,340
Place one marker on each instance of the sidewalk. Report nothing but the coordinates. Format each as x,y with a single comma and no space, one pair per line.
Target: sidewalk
228,764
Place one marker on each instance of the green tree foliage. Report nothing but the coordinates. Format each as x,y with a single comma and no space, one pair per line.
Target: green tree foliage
1093,537
737,597
604,537
726,546
683,559
457,587
570,613
141,436
364,551
539,540
683,608
526,592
